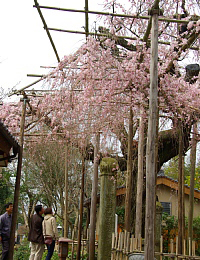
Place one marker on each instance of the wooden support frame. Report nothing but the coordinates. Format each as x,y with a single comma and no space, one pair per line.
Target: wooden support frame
87,31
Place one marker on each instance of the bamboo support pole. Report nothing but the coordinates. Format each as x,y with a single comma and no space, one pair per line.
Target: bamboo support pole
39,90
176,245
119,242
127,217
73,233
113,247
66,191
98,79
81,210
193,248
121,246
113,240
22,89
171,246
184,247
163,19
128,242
140,177
117,247
93,207
148,30
125,242
110,36
140,243
135,244
116,241
180,191
86,18
47,31
82,250
91,33
189,246
192,182
131,243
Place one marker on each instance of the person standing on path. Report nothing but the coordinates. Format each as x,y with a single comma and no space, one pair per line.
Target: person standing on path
35,235
5,228
50,229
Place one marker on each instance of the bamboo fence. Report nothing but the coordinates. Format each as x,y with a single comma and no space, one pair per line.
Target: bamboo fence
124,244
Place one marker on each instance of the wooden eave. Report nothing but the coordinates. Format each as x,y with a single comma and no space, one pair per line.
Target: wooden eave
7,142
173,184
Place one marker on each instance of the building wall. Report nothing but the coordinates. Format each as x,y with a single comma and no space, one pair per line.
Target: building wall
166,194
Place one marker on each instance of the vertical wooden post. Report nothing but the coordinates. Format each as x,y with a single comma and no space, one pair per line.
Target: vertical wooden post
66,193
192,176
17,182
171,246
176,245
180,192
151,138
86,18
94,200
129,174
72,256
183,198
138,220
81,210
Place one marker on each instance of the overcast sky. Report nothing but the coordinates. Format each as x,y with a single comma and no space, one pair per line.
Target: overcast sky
25,46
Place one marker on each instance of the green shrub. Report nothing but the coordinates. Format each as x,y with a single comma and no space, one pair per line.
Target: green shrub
22,252
54,256
170,230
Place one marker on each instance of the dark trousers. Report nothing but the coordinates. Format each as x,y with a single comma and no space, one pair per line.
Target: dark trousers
5,245
50,250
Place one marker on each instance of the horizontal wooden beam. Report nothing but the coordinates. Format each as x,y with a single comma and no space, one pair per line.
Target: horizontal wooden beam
114,37
164,19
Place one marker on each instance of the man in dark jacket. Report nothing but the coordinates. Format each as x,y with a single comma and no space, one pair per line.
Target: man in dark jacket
35,235
5,228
